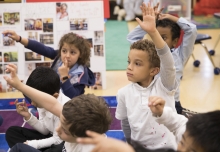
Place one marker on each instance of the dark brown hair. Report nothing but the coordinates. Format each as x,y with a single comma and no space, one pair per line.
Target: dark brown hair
149,47
87,112
80,43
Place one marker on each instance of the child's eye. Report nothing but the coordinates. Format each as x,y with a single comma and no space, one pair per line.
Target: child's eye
73,52
138,64
164,38
63,51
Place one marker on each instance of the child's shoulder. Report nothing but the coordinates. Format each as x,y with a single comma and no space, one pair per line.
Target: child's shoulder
126,89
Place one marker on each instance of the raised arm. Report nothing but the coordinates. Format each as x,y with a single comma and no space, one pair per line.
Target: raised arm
42,99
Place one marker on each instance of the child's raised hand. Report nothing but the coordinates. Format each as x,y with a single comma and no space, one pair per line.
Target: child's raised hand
11,34
157,12
104,144
13,81
64,69
22,109
148,23
156,105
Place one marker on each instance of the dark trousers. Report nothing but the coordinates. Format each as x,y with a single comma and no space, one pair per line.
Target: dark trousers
19,147
15,134
178,107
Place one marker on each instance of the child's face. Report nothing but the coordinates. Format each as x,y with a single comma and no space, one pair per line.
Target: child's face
71,53
138,69
166,34
187,144
63,131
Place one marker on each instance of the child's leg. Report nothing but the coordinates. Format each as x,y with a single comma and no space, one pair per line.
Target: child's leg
19,147
16,134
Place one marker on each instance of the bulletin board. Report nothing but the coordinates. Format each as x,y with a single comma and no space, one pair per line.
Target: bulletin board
42,22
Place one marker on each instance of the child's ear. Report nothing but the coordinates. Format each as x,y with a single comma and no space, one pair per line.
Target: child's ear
175,42
154,71
56,95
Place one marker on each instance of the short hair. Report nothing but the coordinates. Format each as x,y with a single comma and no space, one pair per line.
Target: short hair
87,112
175,29
149,47
44,79
80,43
204,129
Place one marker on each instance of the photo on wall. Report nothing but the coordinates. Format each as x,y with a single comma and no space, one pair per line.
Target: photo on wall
29,68
47,25
98,81
48,59
62,12
10,56
33,24
46,64
11,18
4,68
90,42
10,1
1,69
0,19
0,56
46,38
98,50
78,24
32,56
98,37
2,87
7,41
33,36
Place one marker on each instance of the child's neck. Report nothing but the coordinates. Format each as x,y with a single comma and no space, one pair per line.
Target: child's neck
146,83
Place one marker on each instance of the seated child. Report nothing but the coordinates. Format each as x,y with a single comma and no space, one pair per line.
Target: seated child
44,134
145,60
70,61
169,28
84,112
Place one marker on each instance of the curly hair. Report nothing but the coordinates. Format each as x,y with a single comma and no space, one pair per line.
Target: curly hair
149,47
80,43
87,112
175,29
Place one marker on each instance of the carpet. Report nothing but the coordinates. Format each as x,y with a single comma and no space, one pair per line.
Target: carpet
11,118
116,45
206,22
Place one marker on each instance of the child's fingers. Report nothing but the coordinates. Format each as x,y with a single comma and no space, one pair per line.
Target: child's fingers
139,21
16,101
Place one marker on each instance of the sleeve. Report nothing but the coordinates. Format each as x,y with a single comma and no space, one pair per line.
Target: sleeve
38,124
72,90
167,68
126,129
121,111
189,37
174,122
135,35
40,48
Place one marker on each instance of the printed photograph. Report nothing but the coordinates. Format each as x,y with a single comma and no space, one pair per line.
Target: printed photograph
48,59
32,56
62,11
33,36
47,64
29,68
10,56
48,25
33,24
0,56
98,81
0,19
7,41
90,42
98,37
10,1
46,38
4,69
11,18
1,69
98,50
78,24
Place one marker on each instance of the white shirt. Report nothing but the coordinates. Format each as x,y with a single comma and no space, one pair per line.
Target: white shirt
46,124
62,19
75,147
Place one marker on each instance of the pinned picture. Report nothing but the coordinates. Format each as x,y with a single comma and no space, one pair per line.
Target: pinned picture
98,37
46,38
33,36
98,50
78,24
10,56
11,18
7,41
4,68
46,64
48,59
1,69
0,19
33,24
90,42
47,25
32,56
10,1
0,56
98,81
62,12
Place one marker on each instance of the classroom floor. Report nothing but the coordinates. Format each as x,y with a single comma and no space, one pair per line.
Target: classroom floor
200,88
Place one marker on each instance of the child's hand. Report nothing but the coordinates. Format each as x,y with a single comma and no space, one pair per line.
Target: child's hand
104,144
22,109
63,70
156,105
168,16
11,34
157,12
148,23
13,81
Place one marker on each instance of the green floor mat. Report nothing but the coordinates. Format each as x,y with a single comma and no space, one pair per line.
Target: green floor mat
116,45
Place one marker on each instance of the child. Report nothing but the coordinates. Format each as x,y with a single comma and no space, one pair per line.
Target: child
84,112
169,28
200,133
69,61
46,80
143,66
